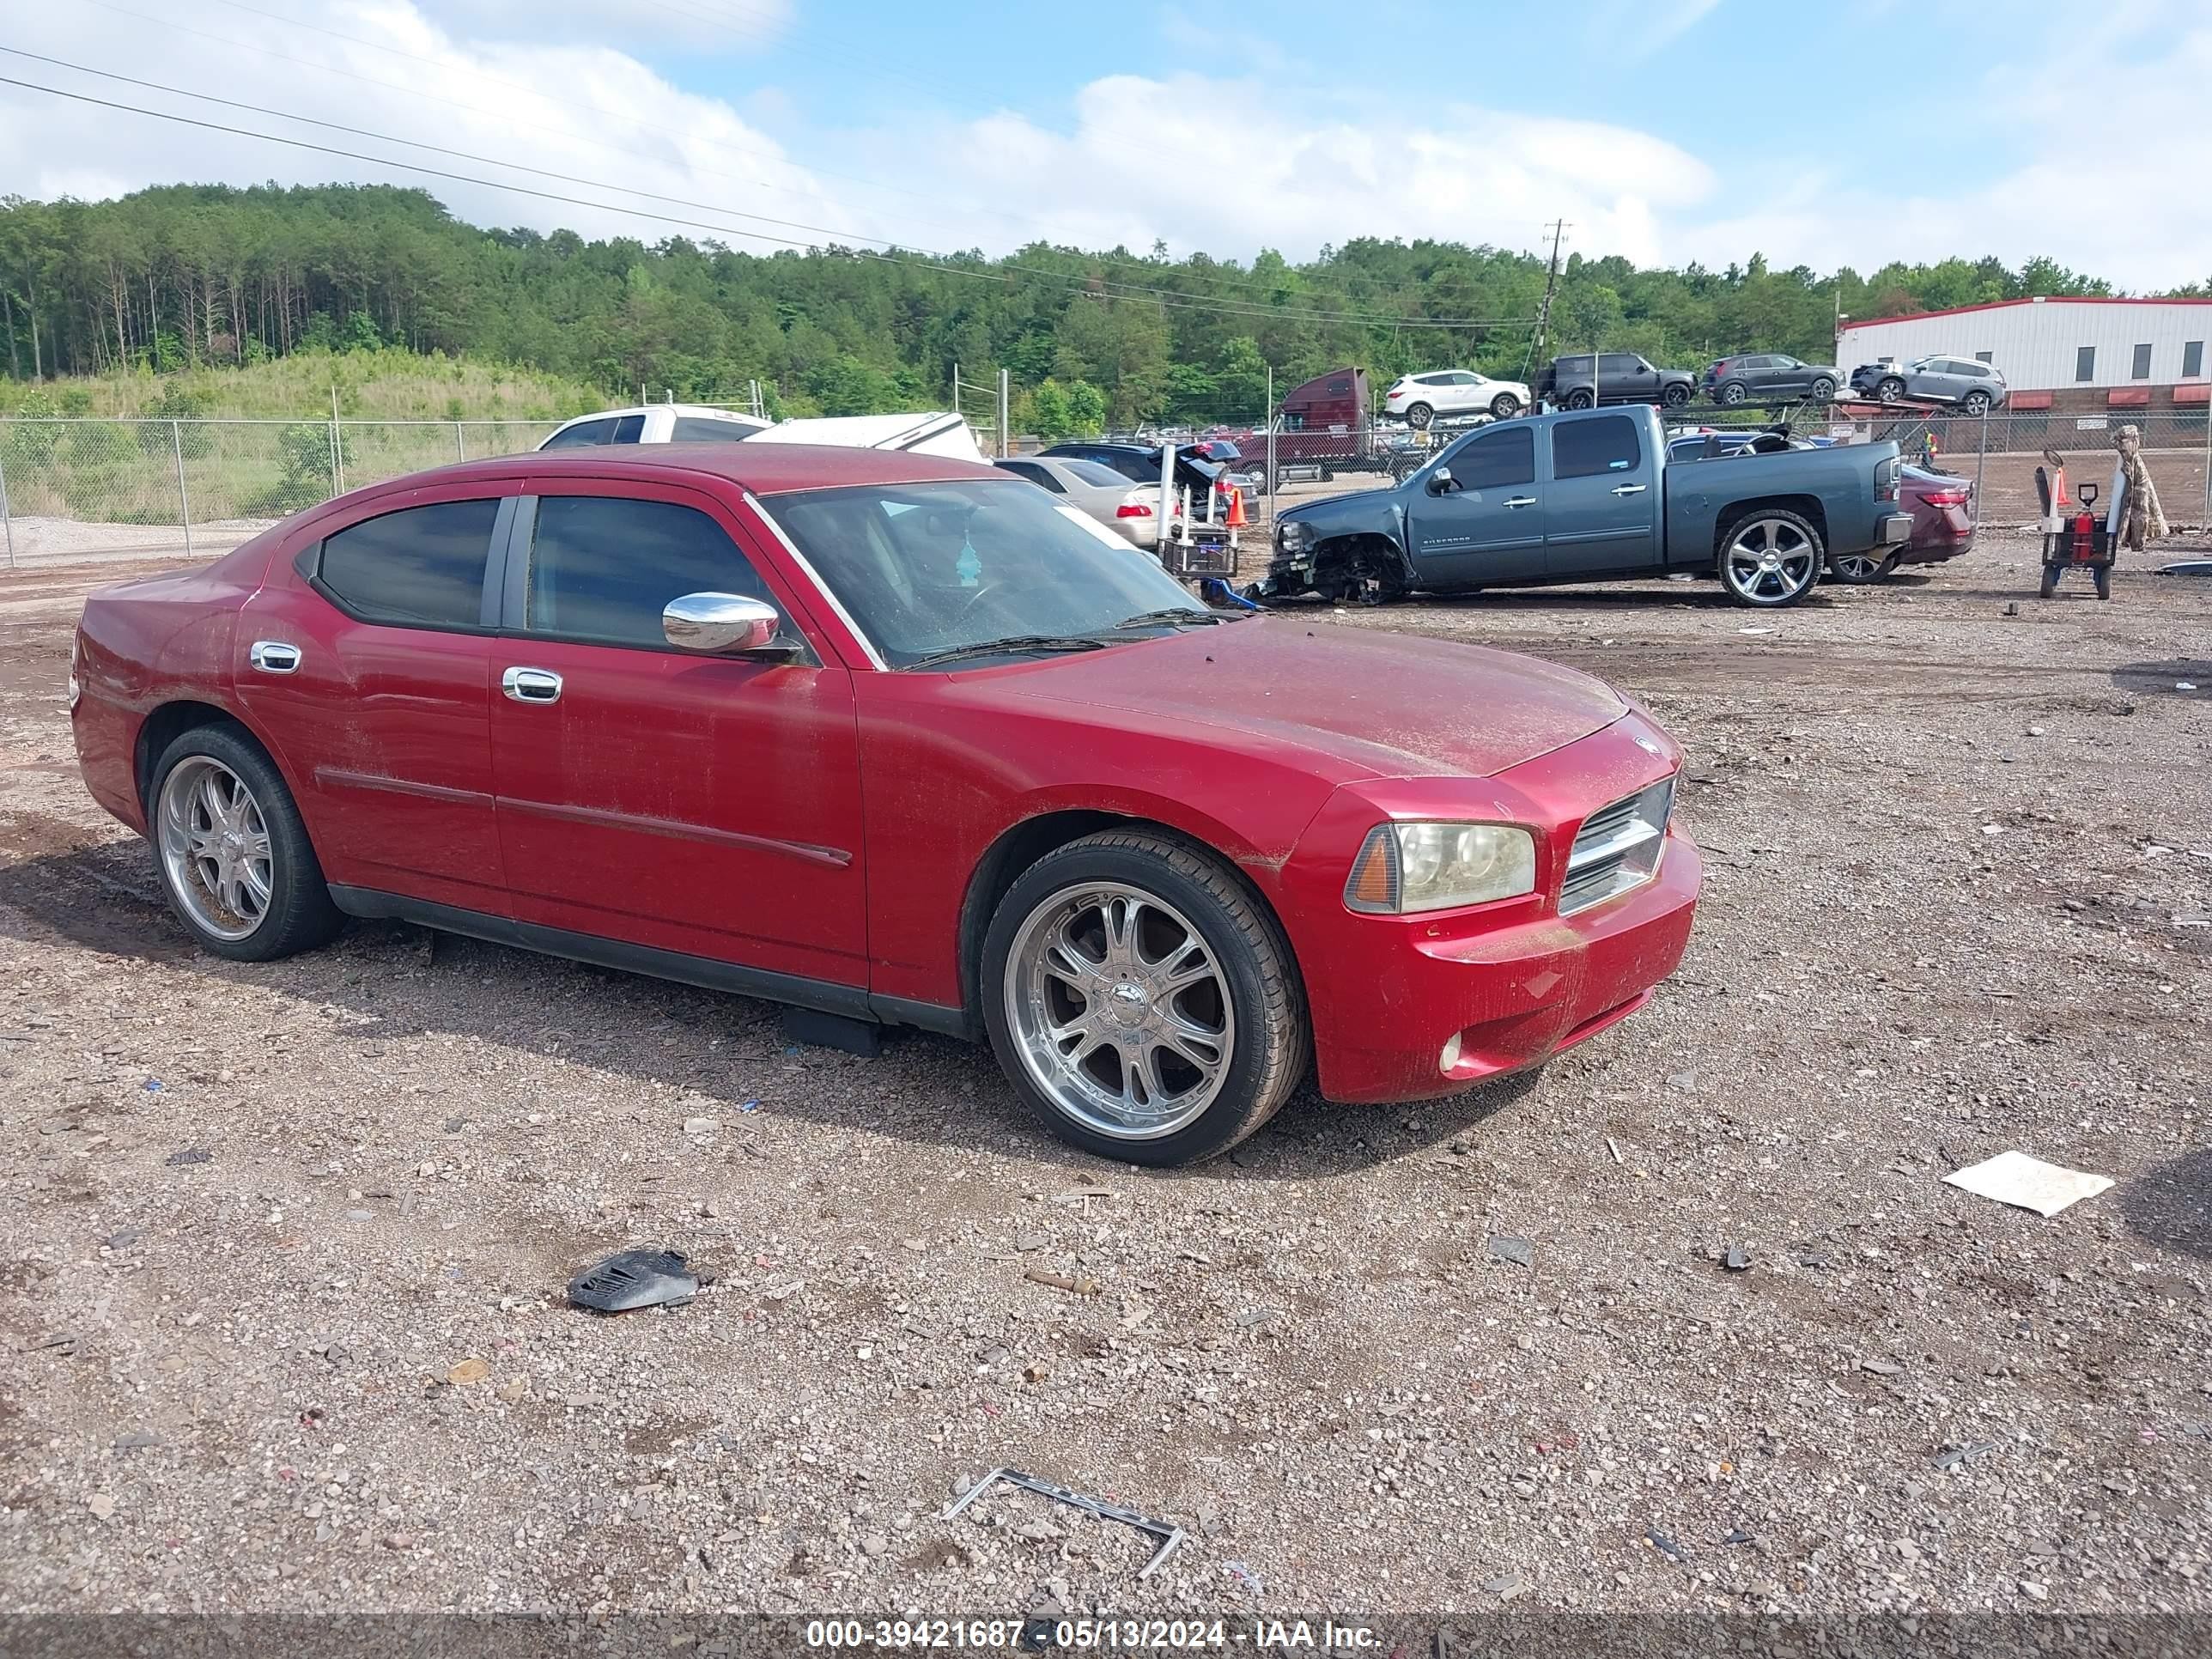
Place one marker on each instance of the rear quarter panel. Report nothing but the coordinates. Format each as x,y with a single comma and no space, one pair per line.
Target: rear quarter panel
159,640
1841,479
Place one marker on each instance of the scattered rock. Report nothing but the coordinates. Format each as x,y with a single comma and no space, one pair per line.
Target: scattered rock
468,1371
1519,1252
101,1505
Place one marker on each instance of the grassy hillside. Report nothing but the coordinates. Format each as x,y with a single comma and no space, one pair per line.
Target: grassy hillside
385,385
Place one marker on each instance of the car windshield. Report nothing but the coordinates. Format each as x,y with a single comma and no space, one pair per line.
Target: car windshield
926,569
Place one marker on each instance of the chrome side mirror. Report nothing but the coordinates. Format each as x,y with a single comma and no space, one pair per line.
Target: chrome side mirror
720,624
1440,482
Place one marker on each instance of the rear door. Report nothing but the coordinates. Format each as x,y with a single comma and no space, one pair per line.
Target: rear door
1601,502
368,662
1489,525
665,800
1625,378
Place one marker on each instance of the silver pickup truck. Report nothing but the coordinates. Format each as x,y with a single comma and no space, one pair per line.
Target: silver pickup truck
1588,496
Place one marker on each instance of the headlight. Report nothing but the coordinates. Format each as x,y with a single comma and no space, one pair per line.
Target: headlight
1407,867
1293,532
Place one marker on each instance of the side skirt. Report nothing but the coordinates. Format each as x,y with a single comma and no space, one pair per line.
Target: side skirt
849,1002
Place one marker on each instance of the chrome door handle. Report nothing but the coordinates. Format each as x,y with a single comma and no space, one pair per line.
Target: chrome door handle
1630,490
531,685
1521,501
274,656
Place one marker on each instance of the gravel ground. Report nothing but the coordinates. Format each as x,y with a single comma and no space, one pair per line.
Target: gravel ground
283,1245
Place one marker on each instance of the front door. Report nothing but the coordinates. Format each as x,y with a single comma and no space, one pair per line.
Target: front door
1602,498
366,659
1488,524
678,802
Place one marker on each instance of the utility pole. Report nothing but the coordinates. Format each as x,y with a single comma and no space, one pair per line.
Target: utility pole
1551,287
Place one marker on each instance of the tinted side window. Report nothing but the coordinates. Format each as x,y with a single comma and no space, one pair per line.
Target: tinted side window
697,430
423,567
1036,474
1493,461
601,567
583,435
628,429
1583,449
1620,362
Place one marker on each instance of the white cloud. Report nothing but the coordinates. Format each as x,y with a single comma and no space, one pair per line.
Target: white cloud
578,108
1230,167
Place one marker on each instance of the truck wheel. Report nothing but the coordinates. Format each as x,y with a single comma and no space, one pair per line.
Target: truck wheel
1142,1002
1580,397
2049,582
1418,415
1891,390
2103,575
1505,406
1824,390
1770,557
1733,393
1675,395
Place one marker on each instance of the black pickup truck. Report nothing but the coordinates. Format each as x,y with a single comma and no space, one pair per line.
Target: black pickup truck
1620,377
1583,497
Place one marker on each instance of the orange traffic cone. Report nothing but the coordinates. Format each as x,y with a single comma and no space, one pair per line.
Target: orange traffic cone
1237,519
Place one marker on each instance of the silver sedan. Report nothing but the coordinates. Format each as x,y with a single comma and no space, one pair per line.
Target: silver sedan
1097,492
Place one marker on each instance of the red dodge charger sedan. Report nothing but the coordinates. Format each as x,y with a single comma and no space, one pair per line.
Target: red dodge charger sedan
901,740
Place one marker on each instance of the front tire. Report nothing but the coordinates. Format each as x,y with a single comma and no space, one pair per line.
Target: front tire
1675,395
1418,415
231,853
1824,390
1770,558
1142,1002
1505,406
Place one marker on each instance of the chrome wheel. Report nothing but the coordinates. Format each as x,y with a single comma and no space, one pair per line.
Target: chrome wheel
1769,560
1862,567
1119,1010
215,846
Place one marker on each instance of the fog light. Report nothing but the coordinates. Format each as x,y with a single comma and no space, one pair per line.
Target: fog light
1449,1057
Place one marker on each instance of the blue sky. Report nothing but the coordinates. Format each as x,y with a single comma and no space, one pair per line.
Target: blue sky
1664,130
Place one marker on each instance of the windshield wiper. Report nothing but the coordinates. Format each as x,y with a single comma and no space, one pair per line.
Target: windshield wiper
1172,614
1012,642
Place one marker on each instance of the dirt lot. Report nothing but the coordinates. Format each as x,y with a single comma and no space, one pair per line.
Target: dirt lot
264,1225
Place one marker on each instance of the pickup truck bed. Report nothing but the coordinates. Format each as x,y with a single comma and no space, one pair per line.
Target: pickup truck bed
1588,495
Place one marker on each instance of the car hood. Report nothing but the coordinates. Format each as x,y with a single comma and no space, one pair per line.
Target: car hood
1376,704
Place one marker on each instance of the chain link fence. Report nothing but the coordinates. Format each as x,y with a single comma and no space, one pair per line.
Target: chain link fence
77,489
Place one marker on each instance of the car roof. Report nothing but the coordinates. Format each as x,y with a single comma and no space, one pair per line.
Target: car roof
763,469
707,410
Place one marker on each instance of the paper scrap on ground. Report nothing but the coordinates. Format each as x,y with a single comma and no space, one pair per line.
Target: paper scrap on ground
2016,1178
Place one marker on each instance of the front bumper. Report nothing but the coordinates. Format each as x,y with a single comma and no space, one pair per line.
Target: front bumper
1512,981
1513,997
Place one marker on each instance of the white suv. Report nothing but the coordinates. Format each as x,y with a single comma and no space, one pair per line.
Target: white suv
1420,398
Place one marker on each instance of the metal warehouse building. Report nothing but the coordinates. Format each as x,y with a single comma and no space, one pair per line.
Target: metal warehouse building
2142,353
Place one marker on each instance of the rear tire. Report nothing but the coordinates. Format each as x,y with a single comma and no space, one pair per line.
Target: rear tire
1770,557
2049,582
1975,403
2103,575
1581,399
230,851
1891,390
1733,394
1179,910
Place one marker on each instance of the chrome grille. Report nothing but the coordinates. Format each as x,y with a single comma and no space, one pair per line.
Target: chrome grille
1617,847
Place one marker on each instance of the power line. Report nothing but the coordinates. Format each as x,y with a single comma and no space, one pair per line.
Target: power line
1003,273
1227,279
